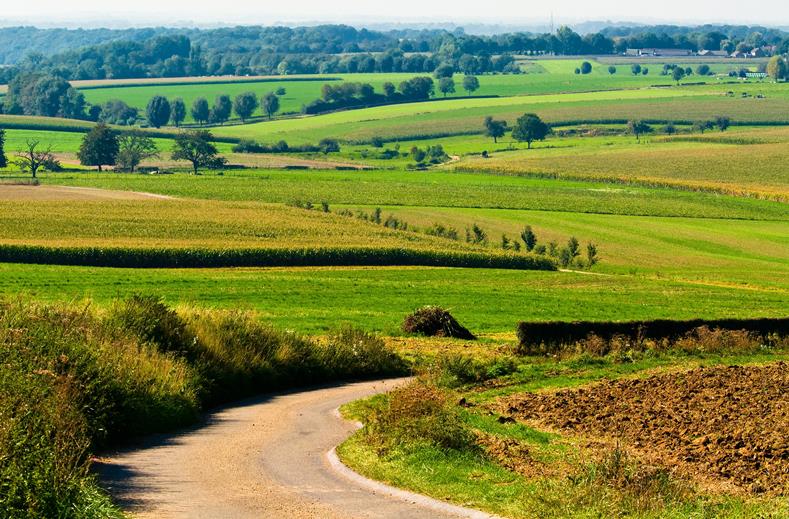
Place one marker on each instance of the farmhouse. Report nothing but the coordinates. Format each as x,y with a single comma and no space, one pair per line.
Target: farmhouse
658,52
713,53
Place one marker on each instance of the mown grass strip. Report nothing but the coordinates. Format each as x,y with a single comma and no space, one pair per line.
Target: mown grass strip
120,257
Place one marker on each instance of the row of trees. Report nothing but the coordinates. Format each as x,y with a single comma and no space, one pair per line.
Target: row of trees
528,128
638,128
103,146
347,94
160,111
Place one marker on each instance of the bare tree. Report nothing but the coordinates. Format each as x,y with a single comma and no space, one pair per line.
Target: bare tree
32,158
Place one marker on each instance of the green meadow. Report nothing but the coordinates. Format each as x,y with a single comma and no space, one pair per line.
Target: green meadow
315,300
686,225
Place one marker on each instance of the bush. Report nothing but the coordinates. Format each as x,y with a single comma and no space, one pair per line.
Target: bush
434,321
353,353
458,370
150,320
418,413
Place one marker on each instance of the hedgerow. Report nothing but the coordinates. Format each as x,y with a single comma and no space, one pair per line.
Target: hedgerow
552,336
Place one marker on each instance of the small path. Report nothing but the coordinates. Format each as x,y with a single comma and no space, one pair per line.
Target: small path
266,458
12,192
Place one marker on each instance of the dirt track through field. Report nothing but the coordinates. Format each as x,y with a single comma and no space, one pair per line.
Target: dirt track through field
10,192
266,458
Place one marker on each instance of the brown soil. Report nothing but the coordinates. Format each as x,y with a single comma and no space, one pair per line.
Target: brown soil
725,426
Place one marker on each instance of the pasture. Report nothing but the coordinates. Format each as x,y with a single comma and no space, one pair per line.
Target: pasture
318,299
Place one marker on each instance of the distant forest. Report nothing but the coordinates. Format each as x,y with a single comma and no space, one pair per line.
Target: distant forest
171,52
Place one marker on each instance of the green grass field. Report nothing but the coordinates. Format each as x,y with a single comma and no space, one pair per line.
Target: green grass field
703,212
433,188
315,300
304,89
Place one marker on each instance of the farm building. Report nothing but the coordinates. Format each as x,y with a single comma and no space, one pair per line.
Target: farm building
658,52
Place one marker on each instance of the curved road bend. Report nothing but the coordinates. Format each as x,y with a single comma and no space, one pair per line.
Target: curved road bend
265,458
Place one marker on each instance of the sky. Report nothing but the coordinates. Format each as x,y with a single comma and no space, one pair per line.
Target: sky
510,12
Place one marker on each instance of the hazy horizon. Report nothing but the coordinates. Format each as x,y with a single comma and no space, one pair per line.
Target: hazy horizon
92,13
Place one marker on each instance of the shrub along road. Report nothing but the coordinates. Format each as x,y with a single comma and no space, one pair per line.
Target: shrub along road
264,458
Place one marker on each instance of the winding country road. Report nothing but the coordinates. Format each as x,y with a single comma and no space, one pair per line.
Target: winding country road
264,458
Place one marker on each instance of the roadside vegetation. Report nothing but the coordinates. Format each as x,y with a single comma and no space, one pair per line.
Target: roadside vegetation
74,379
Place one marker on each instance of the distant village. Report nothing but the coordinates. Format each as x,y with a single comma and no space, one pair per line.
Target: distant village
739,53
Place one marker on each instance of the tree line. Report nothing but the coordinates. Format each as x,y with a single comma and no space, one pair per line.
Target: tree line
332,49
50,96
104,146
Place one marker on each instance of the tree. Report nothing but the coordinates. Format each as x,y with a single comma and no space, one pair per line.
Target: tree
133,148
591,255
529,128
701,126
41,94
328,145
446,85
586,67
178,111
644,71
3,159
470,84
99,147
389,89
223,107
32,158
245,105
529,238
116,111
270,104
200,110
777,68
638,128
722,122
495,129
573,247
611,69
677,74
445,70
158,111
196,147
703,70
635,68
417,88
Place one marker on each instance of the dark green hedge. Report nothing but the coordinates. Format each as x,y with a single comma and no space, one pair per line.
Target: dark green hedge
555,333
293,257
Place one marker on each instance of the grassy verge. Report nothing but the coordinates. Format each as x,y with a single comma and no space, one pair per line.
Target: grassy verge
73,379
